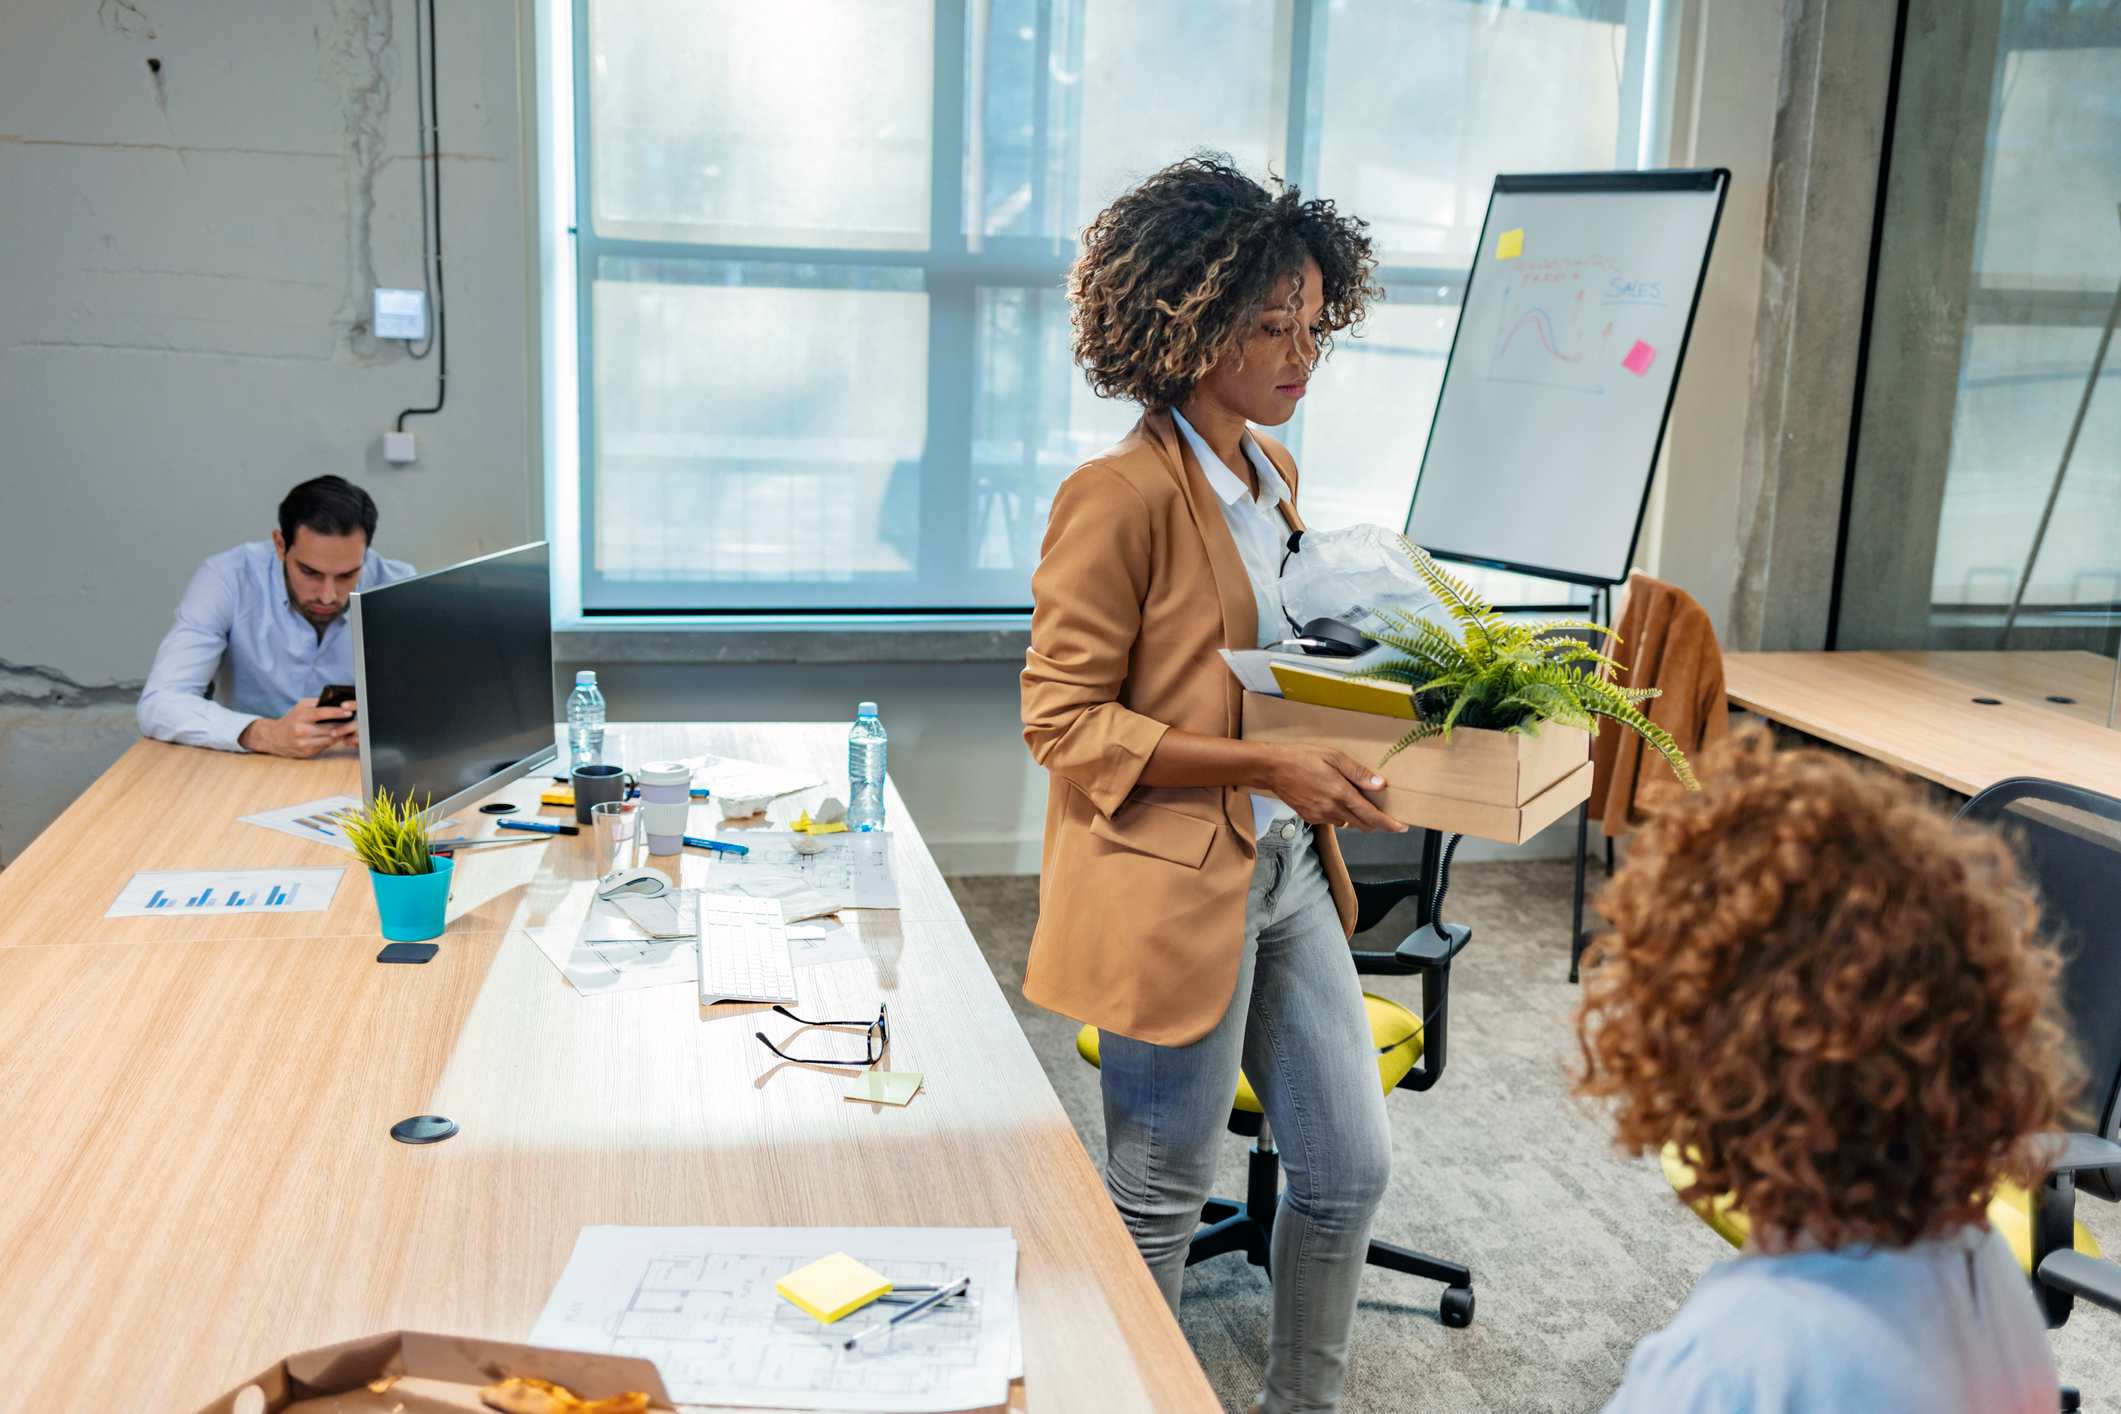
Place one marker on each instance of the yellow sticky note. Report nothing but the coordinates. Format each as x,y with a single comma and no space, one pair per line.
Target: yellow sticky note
832,1286
1510,244
886,1087
556,795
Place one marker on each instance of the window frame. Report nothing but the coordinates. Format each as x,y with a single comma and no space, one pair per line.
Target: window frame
954,270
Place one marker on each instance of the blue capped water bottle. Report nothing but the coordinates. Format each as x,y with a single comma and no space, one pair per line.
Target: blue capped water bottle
585,722
866,749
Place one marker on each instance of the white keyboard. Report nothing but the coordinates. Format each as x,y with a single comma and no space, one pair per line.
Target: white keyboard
744,950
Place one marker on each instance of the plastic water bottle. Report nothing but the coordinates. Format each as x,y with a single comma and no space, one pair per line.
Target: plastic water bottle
866,749
585,721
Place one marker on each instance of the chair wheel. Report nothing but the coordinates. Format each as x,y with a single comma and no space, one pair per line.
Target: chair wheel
1457,1309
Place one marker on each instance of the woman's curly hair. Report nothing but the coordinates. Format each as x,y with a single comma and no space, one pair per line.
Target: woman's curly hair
1173,274
1831,997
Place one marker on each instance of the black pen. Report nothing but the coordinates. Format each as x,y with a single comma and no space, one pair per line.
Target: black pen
917,1309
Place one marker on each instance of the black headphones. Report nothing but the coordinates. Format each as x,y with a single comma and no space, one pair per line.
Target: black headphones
1323,638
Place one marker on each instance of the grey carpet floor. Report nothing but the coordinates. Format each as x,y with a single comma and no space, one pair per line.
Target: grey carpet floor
1576,1252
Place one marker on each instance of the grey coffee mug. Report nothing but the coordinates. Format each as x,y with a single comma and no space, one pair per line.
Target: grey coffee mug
594,785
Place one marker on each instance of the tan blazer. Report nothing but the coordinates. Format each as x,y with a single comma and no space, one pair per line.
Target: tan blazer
1667,642
1142,890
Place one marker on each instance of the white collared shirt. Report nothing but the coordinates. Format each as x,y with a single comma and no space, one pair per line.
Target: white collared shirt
236,608
1262,536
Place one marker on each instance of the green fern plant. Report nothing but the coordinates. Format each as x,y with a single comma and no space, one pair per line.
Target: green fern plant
389,836
1508,675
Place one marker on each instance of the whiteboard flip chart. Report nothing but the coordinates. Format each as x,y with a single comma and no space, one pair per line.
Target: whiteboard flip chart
1568,348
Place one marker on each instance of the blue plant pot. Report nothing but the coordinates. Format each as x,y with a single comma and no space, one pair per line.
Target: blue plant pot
412,907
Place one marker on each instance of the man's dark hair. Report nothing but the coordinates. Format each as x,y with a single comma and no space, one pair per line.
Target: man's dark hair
329,505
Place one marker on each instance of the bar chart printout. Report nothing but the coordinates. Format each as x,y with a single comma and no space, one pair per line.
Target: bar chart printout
179,893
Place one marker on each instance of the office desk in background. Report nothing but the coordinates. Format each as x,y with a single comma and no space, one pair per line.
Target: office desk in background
1915,711
198,1172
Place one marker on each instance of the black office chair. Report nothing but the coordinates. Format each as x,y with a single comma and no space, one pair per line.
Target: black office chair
1411,1051
2069,841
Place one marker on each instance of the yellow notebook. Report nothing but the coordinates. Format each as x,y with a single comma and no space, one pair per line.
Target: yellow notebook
1379,699
832,1286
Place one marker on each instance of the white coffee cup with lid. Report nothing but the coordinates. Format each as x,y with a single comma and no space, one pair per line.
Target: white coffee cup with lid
666,801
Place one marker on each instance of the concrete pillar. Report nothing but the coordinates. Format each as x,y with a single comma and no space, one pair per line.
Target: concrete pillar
1822,192
1918,328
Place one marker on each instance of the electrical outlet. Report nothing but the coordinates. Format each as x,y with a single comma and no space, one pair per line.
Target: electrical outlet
400,314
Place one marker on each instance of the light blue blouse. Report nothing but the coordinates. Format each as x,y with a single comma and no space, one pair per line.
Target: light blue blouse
1945,1326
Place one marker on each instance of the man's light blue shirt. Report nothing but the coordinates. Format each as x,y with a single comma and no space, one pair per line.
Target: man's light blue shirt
237,606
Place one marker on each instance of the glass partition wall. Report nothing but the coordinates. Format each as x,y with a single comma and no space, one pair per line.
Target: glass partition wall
1984,508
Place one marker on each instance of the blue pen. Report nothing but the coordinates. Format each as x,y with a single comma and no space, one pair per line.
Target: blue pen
718,846
537,827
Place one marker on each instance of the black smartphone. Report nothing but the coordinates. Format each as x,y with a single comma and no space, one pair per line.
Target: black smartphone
337,694
408,952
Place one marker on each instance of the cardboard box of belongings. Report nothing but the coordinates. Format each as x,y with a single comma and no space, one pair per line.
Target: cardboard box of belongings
417,1373
1492,785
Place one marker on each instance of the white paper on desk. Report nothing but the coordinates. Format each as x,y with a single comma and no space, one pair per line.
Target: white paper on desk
289,820
618,964
827,940
608,922
733,782
853,868
700,1303
191,893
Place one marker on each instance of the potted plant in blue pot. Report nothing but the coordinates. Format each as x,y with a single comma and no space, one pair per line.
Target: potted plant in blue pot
410,880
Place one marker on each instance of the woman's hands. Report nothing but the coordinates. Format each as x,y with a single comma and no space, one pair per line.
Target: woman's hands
1325,787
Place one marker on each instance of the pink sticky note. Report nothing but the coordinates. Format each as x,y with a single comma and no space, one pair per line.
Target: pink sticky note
1639,359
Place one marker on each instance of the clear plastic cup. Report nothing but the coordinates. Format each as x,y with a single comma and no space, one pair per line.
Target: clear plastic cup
618,834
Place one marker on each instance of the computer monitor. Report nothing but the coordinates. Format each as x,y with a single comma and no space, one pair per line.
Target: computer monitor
453,677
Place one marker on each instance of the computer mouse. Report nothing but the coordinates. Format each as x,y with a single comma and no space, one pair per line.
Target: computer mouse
634,883
1331,638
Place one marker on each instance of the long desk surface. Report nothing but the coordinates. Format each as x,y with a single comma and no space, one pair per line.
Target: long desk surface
196,1163
1916,711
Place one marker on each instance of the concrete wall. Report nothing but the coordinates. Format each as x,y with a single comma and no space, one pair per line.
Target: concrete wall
195,201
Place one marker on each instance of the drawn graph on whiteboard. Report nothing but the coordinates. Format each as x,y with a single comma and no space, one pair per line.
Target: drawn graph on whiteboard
1575,323
1551,334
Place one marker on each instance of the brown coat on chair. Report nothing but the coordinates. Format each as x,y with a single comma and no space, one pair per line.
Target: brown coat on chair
1666,642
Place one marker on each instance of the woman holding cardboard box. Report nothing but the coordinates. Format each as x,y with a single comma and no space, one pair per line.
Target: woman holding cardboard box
1188,907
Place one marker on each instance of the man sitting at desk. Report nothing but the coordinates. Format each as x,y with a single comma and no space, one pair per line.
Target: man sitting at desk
277,609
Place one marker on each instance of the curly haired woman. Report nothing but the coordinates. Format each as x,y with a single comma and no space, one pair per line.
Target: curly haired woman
1187,907
1831,998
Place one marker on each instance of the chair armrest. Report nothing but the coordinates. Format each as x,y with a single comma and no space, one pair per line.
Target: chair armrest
1427,949
1427,953
2072,1272
2085,1151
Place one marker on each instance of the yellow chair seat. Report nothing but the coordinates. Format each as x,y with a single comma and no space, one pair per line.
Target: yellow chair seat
2008,1213
1394,1031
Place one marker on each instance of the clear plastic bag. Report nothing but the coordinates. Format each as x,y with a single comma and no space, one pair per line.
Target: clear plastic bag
1348,574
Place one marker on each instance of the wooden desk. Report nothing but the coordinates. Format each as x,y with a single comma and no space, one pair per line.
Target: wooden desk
198,1172
1915,711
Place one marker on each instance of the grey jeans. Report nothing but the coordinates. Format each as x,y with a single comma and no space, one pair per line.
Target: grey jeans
1297,1025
